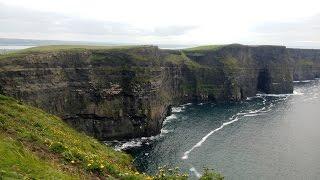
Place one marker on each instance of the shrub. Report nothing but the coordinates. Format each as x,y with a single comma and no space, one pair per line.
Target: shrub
209,174
57,147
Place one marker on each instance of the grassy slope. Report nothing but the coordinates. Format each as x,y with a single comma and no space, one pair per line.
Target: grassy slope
56,48
204,48
35,144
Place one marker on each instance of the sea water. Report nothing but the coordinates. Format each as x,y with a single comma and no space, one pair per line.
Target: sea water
267,136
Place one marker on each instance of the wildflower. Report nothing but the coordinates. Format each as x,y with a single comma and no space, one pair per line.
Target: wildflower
101,166
136,173
72,161
89,165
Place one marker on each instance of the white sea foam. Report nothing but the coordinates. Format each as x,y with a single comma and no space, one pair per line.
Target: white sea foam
252,115
256,111
306,81
169,119
177,109
186,154
273,95
137,142
129,144
187,104
296,92
250,98
192,169
165,131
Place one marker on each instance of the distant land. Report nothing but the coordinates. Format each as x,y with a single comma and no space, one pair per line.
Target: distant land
35,42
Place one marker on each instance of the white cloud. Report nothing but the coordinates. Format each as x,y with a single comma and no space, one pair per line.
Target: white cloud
165,21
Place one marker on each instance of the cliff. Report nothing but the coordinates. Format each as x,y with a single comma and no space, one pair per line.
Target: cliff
306,63
126,92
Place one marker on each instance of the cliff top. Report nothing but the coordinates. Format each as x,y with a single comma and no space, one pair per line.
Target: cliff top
79,47
205,48
58,48
217,47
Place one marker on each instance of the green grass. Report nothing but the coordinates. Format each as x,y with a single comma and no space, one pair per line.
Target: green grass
75,47
204,48
58,48
18,163
305,62
182,59
38,145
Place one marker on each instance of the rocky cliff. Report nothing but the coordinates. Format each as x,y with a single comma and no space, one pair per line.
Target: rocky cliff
126,92
306,63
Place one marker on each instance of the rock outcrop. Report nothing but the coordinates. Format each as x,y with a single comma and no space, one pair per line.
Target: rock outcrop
306,63
117,93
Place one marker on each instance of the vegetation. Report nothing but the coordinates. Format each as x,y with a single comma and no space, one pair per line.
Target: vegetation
211,175
37,145
204,48
75,47
57,48
305,62
182,59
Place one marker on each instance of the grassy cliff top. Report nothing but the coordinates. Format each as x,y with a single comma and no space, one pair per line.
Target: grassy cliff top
37,145
59,48
79,47
204,48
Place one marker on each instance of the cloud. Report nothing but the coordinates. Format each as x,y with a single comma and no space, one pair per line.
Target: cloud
302,32
14,20
172,30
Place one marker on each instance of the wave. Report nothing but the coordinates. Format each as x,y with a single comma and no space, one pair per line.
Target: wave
251,115
169,119
186,154
304,81
187,104
138,142
273,95
177,109
193,169
296,92
127,145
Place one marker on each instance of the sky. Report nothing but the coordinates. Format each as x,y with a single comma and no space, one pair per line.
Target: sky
276,22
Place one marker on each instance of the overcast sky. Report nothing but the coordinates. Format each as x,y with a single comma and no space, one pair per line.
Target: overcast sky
279,22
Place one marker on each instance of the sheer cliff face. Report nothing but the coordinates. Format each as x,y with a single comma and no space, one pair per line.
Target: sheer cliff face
306,63
126,93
